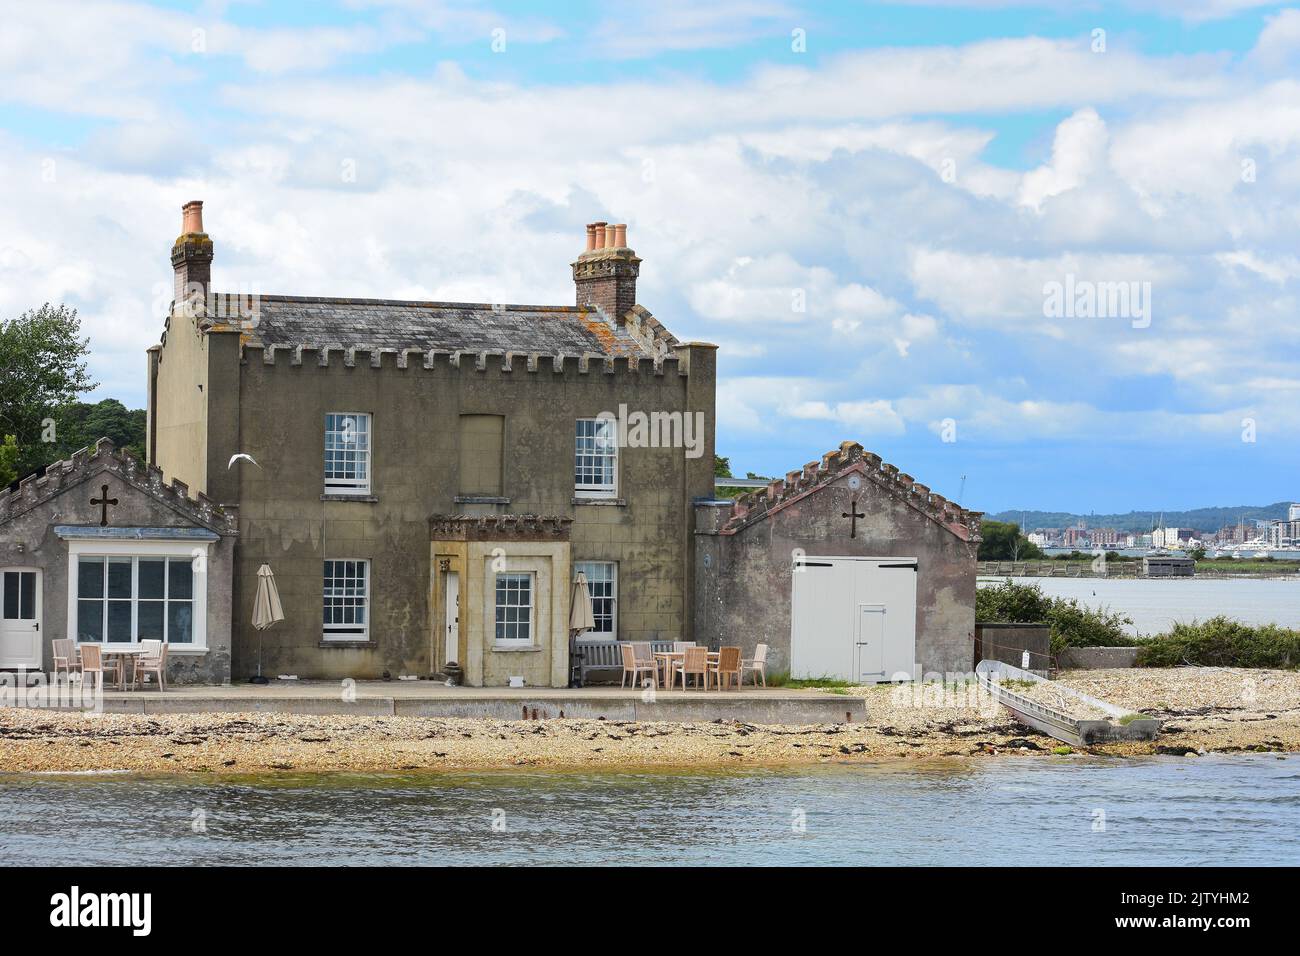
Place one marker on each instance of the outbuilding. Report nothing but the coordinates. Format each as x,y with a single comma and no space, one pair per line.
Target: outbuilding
846,569
100,549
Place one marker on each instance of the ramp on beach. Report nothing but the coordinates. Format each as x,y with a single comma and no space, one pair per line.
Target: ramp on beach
1078,732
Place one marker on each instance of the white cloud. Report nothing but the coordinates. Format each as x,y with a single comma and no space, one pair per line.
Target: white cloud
738,195
1077,152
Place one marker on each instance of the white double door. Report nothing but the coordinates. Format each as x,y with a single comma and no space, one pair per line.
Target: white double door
20,619
853,618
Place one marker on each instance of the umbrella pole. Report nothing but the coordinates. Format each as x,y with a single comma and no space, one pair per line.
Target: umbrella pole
259,679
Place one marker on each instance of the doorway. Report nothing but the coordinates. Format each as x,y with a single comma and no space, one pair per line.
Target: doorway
451,617
853,618
20,619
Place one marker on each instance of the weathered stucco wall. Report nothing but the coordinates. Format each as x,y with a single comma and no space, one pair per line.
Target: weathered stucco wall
28,540
744,579
416,432
179,424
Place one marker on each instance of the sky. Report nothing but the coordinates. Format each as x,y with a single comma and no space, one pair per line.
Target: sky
1039,255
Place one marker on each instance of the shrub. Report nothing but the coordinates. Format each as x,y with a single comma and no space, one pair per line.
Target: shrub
1072,624
1220,642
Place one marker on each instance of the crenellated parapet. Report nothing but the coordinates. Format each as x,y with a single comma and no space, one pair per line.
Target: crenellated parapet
105,457
850,457
499,527
441,360
649,331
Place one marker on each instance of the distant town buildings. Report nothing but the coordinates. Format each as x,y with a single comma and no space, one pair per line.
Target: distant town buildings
1246,536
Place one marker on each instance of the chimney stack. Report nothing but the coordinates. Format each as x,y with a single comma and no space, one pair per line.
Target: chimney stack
192,256
605,273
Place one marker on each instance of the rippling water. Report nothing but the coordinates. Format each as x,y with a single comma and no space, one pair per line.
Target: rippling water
1156,605
1176,811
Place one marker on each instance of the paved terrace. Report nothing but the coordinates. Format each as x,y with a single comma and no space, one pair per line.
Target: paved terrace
431,699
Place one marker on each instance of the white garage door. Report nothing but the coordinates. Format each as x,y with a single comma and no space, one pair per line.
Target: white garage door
853,619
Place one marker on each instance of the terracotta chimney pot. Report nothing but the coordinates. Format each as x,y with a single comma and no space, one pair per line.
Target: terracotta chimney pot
591,236
610,230
599,229
620,236
192,218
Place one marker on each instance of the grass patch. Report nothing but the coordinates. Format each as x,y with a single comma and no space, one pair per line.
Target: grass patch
1063,751
783,679
1129,718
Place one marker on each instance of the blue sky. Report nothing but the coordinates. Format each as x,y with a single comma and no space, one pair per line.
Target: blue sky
917,175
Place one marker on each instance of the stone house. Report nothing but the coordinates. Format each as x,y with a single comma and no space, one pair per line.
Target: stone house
101,548
849,506
425,478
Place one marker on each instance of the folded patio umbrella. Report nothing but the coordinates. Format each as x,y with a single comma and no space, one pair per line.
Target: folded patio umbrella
581,619
266,611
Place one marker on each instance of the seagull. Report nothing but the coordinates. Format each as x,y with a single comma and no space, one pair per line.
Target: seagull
235,458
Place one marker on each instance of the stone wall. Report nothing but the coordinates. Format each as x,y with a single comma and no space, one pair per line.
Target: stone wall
416,400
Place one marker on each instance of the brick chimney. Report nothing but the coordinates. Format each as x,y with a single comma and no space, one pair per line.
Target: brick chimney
605,273
192,255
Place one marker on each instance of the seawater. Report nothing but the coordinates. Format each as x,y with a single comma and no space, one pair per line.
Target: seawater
1235,810
1155,605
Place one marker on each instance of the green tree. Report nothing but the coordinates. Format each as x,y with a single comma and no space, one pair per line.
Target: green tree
81,424
42,369
721,467
8,460
1002,541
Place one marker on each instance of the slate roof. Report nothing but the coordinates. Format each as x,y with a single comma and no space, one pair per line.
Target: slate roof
291,321
78,532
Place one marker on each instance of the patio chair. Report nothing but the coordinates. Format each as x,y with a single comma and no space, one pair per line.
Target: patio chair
635,667
756,664
92,662
65,657
728,666
679,646
644,653
695,662
152,660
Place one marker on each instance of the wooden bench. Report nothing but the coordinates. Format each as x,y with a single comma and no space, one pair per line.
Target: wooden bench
608,655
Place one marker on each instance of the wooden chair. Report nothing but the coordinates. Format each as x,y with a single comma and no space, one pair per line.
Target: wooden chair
644,653
728,666
756,664
695,662
65,657
679,646
635,667
152,660
92,662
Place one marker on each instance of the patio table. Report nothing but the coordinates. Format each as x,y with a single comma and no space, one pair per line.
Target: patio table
128,653
670,658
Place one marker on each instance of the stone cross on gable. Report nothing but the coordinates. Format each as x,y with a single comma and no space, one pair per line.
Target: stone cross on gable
854,515
103,501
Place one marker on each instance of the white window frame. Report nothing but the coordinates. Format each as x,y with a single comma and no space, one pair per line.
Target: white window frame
531,606
184,551
608,451
585,567
365,454
347,632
